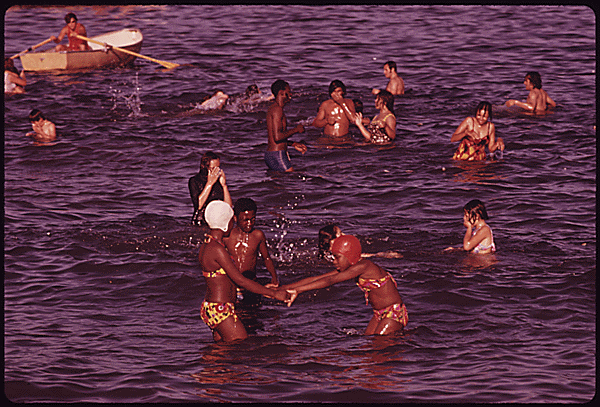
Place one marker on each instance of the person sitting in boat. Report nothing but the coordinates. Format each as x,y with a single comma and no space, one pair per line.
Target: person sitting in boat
13,81
72,27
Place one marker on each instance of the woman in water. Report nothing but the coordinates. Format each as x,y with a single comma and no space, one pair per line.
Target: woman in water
223,278
475,133
332,231
204,187
382,129
380,288
13,81
478,237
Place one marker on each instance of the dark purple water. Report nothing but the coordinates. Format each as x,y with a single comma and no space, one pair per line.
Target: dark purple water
102,286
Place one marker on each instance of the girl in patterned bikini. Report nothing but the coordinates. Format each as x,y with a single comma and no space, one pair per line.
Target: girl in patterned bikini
223,277
389,312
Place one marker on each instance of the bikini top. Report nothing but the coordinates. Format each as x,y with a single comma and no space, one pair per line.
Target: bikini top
378,134
481,247
367,284
219,272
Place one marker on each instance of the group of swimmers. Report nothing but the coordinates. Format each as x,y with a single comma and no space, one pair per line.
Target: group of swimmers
222,254
336,114
228,258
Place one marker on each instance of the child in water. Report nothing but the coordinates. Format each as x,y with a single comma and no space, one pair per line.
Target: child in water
43,129
245,242
222,277
478,237
328,233
380,288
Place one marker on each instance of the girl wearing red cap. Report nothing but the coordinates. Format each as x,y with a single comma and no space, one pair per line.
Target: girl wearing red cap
378,285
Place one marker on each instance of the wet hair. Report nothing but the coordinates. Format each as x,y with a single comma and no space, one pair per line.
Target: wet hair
358,105
326,235
485,106
278,86
205,161
387,98
336,84
252,90
70,16
9,65
36,115
475,208
244,205
535,78
391,64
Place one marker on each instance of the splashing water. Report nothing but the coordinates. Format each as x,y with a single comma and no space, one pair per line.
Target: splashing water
133,102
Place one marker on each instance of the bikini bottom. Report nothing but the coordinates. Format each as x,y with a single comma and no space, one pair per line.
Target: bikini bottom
213,313
396,312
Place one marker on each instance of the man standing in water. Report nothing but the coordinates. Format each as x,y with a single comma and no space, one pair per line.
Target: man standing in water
336,114
72,27
276,156
396,85
538,99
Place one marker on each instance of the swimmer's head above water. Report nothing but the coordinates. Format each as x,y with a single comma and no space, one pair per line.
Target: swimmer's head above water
349,247
219,215
475,209
326,235
337,84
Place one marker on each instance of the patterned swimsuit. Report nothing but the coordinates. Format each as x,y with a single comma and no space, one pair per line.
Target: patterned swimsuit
396,312
213,313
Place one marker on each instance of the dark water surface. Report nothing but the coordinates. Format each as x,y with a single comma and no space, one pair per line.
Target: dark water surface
102,286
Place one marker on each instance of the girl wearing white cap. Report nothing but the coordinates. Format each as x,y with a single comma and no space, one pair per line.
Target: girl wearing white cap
223,278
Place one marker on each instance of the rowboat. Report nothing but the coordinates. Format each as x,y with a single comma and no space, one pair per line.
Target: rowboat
98,57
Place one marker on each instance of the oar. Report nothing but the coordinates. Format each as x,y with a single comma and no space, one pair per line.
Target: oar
31,48
169,65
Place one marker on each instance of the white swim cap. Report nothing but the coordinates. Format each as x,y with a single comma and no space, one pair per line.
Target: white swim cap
218,214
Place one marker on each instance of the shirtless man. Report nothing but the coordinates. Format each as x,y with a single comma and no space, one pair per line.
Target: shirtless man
538,100
276,156
245,242
396,85
72,27
336,114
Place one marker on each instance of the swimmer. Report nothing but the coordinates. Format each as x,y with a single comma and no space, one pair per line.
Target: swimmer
222,277
276,156
538,99
478,236
14,82
382,129
209,184
358,107
396,85
43,129
336,113
380,288
215,102
246,242
330,232
475,133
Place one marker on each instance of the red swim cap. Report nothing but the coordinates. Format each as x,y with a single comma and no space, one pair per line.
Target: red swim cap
349,246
